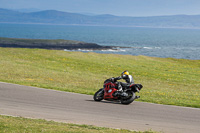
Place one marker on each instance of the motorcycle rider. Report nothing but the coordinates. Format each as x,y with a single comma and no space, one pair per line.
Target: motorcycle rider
121,85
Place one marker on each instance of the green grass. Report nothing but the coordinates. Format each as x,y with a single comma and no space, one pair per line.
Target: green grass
165,80
23,125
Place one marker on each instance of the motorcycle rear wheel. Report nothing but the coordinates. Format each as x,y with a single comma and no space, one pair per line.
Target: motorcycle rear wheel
99,95
129,99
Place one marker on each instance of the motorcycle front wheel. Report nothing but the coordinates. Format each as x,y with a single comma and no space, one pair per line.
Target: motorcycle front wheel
129,99
98,96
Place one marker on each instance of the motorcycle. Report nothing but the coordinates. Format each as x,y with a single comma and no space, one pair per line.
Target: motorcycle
110,92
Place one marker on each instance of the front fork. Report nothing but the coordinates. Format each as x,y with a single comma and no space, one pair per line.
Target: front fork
102,90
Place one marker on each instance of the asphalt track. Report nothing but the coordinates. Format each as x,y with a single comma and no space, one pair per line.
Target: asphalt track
31,102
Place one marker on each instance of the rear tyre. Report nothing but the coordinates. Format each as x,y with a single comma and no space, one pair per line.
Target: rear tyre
98,96
129,99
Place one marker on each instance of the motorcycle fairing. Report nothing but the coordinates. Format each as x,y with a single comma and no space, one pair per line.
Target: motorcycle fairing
109,89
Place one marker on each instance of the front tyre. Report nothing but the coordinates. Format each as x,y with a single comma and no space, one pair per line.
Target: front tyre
129,99
98,96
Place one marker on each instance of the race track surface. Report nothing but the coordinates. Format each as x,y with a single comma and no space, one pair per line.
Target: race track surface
31,102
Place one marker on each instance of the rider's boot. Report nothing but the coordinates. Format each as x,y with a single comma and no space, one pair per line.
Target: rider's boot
116,93
120,93
123,94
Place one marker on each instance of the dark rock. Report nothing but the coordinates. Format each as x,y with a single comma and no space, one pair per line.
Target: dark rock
50,44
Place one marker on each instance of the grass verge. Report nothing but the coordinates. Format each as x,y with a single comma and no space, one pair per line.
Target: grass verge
10,124
165,80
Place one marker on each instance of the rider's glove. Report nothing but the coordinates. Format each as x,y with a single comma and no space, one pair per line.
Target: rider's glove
118,78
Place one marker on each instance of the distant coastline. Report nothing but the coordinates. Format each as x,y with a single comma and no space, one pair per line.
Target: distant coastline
67,18
58,44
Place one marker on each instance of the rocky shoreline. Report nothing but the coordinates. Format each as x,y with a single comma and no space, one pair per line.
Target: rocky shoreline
58,44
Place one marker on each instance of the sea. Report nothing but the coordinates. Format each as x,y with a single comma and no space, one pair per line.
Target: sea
155,42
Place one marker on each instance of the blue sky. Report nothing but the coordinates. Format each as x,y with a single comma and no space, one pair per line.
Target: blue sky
114,7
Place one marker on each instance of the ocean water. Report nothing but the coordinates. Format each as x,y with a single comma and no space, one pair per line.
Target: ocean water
156,42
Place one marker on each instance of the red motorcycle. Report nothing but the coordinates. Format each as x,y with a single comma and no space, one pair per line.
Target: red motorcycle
110,92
